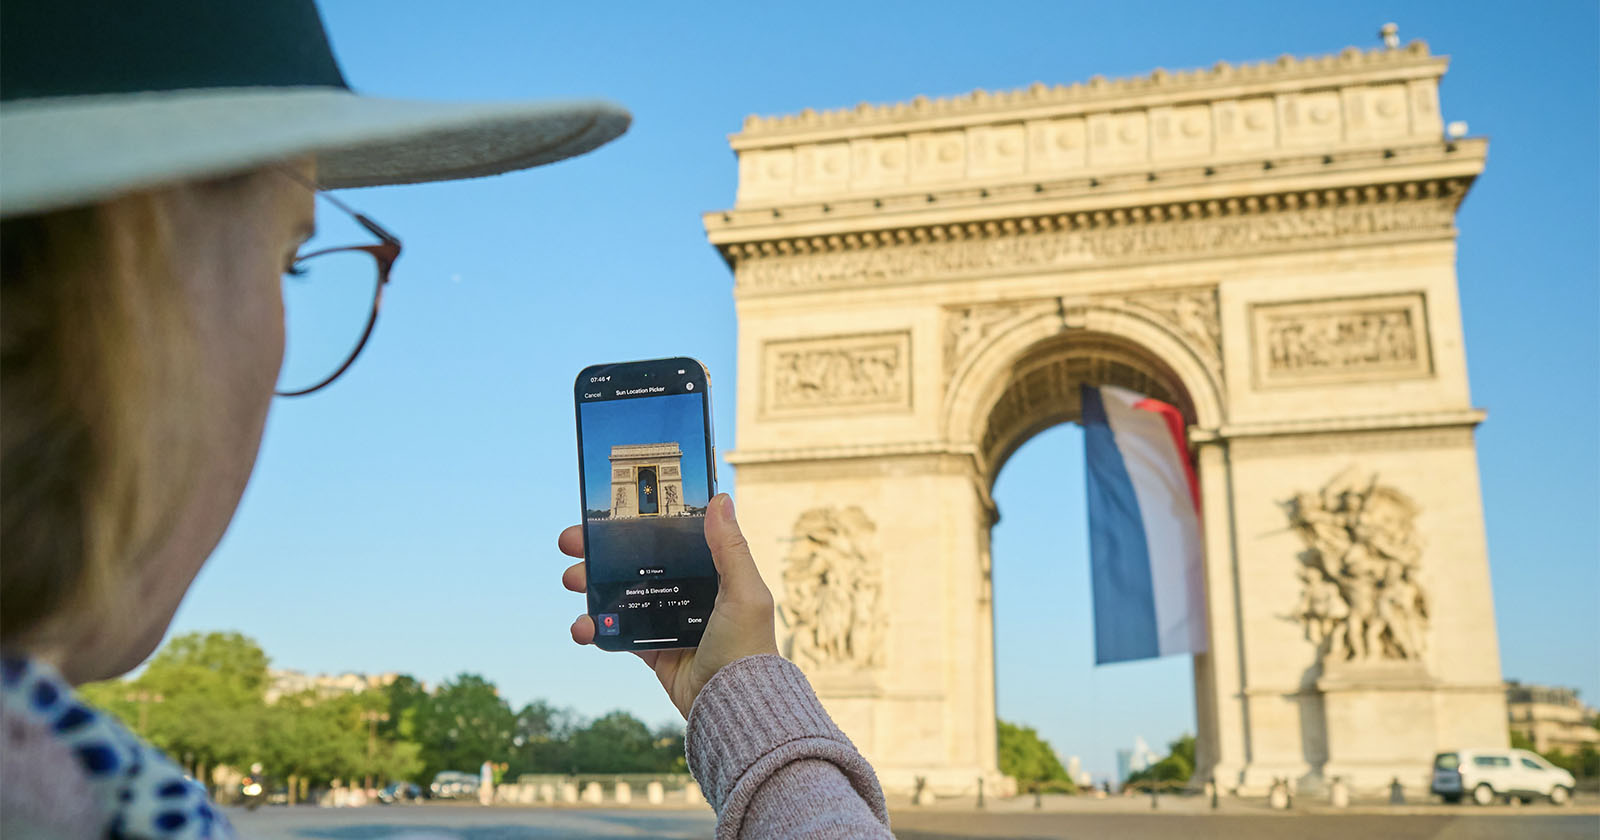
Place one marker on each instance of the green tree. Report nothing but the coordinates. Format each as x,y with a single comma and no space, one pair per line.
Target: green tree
1176,768
541,740
464,724
406,701
200,699
313,737
1029,759
615,743
670,757
1520,741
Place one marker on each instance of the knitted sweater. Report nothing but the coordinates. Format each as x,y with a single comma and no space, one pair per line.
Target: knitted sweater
771,761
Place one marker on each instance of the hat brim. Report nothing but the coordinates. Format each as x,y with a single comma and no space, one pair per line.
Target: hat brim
57,153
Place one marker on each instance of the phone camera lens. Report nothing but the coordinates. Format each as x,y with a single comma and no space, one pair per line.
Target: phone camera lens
690,386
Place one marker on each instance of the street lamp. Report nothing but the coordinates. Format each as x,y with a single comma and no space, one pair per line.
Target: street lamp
372,717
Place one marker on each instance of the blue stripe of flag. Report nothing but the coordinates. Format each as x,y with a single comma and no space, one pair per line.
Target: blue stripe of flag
1119,558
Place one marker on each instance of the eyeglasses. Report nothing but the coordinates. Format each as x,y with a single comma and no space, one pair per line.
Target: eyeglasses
327,292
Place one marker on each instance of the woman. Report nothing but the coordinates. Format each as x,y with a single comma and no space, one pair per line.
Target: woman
160,168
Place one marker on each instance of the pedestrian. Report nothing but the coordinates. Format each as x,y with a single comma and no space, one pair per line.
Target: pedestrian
161,162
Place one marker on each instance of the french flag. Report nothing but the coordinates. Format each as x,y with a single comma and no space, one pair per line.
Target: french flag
1144,528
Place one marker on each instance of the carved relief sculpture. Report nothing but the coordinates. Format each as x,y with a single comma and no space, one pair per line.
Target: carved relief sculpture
833,591
865,371
1361,600
1367,338
1193,314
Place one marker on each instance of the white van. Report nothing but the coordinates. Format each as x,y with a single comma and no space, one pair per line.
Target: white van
1487,775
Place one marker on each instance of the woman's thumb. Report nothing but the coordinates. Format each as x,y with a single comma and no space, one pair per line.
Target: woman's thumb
729,550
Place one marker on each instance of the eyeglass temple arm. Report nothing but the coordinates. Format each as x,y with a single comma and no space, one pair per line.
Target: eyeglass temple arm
365,221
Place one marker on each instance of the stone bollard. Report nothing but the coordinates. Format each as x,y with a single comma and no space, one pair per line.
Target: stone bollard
1339,793
569,792
592,793
624,793
692,794
547,792
654,793
1278,796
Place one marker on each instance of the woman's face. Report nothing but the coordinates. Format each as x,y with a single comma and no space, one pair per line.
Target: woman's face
233,244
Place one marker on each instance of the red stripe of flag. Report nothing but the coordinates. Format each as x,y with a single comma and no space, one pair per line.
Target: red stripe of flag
1175,425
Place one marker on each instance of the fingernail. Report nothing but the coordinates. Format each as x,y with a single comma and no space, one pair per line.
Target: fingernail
727,505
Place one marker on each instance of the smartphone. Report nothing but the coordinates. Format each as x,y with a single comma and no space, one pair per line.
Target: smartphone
646,471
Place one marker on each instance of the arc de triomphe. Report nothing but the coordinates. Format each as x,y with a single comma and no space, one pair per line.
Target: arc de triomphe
922,286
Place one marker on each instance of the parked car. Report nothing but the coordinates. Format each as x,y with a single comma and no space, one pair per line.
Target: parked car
454,784
1487,775
400,792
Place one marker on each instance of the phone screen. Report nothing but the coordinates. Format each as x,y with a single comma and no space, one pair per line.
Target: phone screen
646,473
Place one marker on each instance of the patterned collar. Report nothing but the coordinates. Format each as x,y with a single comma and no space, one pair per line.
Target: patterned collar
139,791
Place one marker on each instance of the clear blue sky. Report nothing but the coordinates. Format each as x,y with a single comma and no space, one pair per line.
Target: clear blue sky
676,418
406,518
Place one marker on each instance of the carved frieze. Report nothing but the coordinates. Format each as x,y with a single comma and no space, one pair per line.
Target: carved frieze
1193,314
1361,600
833,606
1089,240
826,375
1348,339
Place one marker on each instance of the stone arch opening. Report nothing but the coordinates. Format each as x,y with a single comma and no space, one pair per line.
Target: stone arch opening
1036,389
1040,389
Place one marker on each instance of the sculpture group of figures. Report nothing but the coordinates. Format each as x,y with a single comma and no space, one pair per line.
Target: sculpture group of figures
833,591
1347,340
1362,601
823,376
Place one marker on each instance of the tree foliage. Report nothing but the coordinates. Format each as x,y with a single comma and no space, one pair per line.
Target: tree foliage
1176,768
464,724
1030,760
202,701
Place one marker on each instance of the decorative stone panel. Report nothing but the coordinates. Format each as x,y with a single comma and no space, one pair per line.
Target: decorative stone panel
870,372
1342,340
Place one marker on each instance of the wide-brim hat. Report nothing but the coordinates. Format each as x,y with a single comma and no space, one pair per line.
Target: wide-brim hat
100,97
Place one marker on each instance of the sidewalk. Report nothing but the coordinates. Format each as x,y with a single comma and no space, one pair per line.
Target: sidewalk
1195,805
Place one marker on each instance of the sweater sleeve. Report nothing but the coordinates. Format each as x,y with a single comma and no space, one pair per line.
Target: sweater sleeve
773,764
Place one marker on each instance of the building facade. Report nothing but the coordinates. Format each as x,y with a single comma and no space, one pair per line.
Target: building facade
282,682
1552,718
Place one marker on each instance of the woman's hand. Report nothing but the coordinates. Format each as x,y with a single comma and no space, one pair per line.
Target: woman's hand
741,619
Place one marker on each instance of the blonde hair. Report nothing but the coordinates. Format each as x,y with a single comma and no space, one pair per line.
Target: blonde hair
96,370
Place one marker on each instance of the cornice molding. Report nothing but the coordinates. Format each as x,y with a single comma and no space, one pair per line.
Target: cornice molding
788,128
1459,419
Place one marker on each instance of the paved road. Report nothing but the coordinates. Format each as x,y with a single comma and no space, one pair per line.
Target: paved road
505,823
